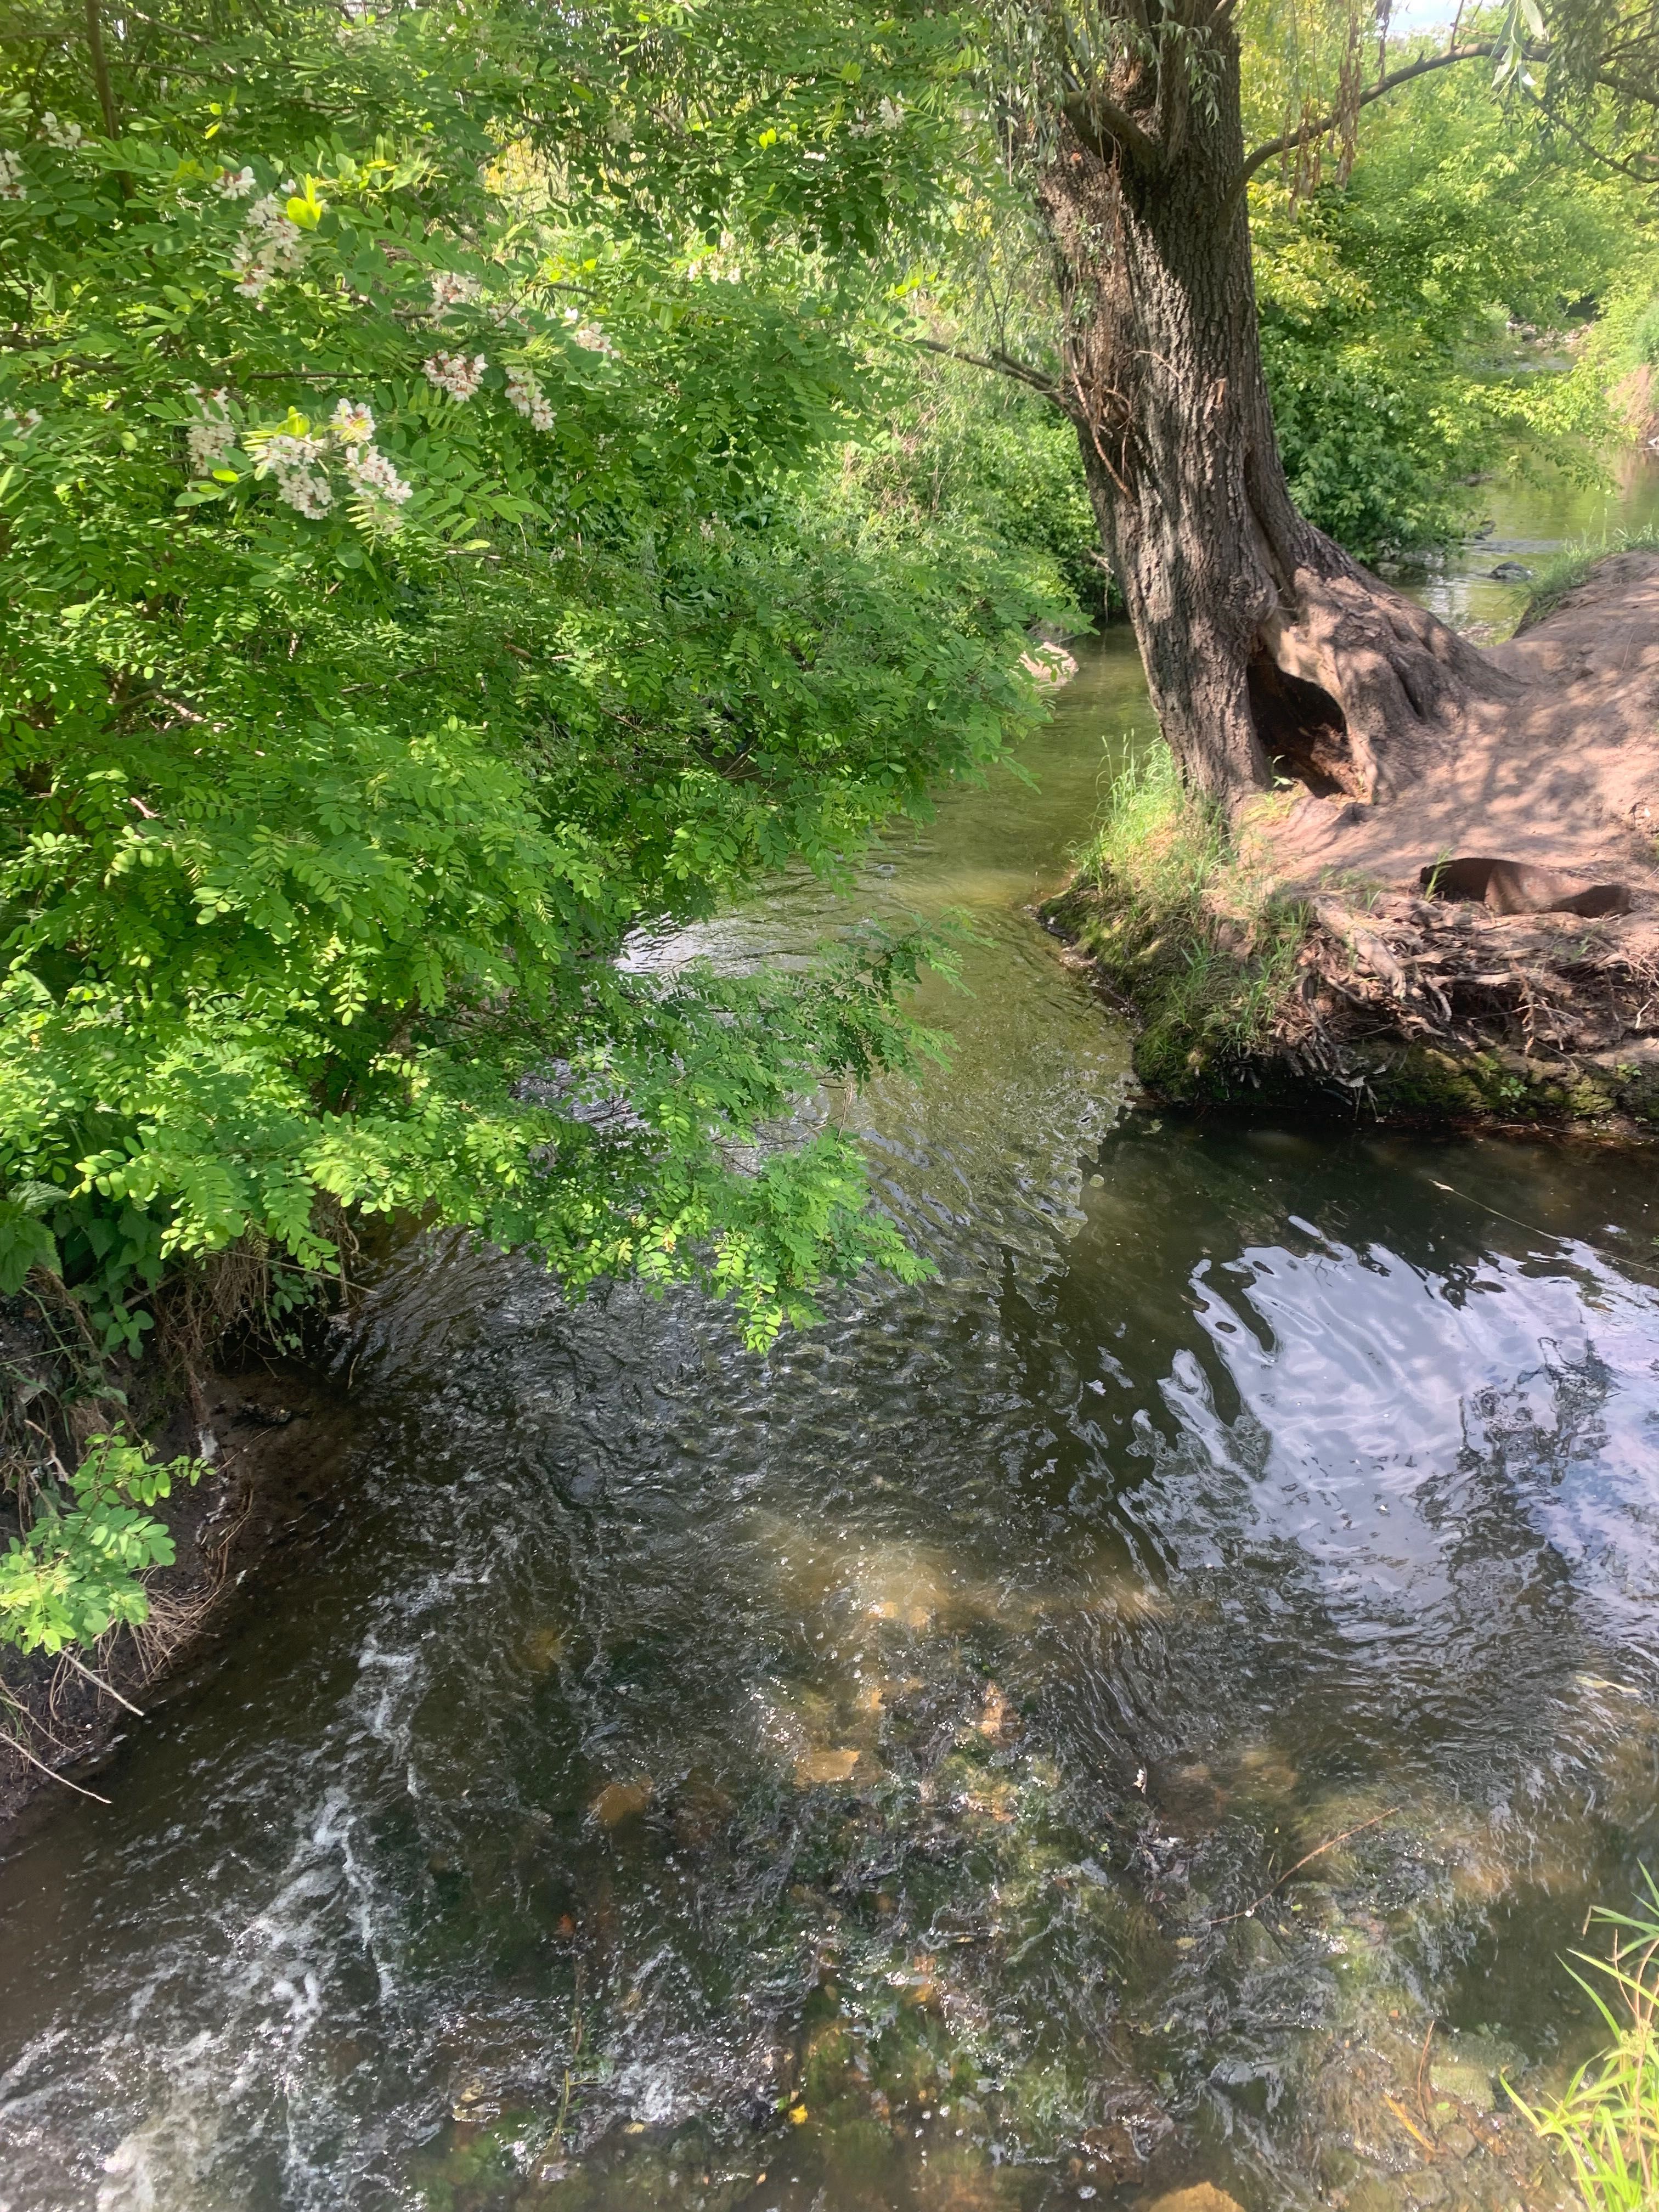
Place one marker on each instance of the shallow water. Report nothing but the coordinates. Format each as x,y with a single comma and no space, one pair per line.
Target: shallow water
1524,525
833,1781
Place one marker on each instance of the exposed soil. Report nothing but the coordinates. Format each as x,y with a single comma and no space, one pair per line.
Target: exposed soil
278,1433
1563,775
1425,989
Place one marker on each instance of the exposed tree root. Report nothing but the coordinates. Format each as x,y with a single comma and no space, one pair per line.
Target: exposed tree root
1540,791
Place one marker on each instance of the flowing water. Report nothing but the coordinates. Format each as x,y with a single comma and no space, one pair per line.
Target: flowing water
875,1776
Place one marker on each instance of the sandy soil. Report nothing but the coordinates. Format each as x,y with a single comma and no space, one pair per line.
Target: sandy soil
1564,774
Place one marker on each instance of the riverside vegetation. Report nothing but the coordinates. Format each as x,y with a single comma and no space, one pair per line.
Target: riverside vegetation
478,494
469,494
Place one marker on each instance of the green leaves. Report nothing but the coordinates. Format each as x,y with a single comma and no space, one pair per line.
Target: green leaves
25,1240
421,578
77,1569
1385,300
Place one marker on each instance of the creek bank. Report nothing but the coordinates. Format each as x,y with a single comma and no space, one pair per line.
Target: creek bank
1299,966
278,1430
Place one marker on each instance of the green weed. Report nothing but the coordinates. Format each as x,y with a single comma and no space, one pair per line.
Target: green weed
1608,2120
1183,929
1573,564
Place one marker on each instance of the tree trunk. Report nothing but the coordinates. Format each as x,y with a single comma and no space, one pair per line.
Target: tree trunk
1268,651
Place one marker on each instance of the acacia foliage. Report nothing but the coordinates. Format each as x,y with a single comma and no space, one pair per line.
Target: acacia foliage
411,593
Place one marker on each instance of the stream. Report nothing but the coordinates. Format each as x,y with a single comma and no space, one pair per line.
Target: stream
875,1776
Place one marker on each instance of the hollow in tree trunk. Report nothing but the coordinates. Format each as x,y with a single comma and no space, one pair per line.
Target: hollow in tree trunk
1268,652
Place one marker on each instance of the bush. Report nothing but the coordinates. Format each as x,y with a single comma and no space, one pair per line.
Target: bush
76,1569
415,587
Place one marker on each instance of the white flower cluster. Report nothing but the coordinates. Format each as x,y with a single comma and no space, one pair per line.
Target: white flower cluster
12,186
300,480
211,437
888,117
352,422
588,334
299,462
270,246
526,395
237,184
374,476
451,289
63,132
454,374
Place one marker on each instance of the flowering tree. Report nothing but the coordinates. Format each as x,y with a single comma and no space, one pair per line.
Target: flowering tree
409,593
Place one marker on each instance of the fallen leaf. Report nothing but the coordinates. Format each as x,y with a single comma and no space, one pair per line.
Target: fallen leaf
622,1800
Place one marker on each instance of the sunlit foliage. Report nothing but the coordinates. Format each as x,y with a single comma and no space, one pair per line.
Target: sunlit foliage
412,591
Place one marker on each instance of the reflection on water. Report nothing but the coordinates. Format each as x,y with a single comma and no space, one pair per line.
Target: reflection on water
1522,528
876,1777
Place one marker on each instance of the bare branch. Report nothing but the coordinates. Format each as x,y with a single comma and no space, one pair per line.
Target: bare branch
51,1773
97,1681
100,70
1642,93
999,364
1306,133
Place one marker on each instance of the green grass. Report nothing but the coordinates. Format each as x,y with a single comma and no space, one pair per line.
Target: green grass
1608,2122
1178,927
1573,563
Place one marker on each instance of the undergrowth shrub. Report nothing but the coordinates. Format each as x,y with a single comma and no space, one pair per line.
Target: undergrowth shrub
75,1570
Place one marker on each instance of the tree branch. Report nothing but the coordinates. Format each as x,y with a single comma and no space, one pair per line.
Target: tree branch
1106,128
1647,176
1644,94
999,364
100,70
1306,133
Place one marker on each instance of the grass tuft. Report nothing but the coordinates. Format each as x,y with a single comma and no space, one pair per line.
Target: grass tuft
1182,929
1608,2120
1570,567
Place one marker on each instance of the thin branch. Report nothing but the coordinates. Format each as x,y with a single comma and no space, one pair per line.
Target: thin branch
1642,93
168,30
34,1720
1647,176
51,1773
999,364
1318,1852
1306,133
1106,130
101,72
97,1681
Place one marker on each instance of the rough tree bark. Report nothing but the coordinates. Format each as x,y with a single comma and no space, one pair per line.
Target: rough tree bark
1267,650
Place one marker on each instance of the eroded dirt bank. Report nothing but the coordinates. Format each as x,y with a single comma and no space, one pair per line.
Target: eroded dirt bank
1452,1005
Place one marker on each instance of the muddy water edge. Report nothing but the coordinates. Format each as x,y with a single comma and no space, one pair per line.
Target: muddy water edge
876,1777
